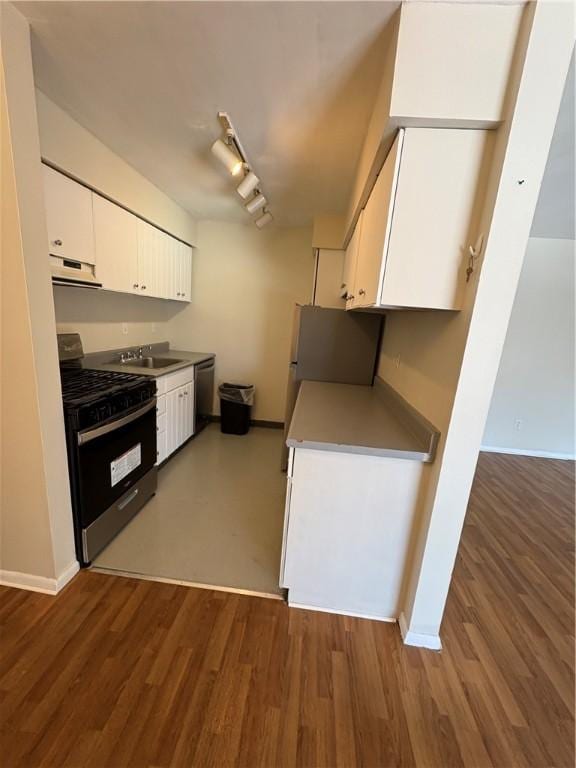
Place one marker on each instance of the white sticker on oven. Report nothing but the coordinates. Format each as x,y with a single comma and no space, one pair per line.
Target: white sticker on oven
124,464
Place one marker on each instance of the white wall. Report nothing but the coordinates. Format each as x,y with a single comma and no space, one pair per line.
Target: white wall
245,282
532,408
101,317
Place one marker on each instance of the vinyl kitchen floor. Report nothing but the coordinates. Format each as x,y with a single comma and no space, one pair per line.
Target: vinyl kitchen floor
216,519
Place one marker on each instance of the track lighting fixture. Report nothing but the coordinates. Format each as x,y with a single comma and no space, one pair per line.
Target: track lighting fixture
248,184
227,157
266,218
231,153
255,204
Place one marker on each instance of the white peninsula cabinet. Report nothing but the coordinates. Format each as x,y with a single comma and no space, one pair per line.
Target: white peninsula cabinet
174,411
410,246
357,457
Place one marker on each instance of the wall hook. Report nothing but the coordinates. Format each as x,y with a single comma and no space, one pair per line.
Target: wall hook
474,252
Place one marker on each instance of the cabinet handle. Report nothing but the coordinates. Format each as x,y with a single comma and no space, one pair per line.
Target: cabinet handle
180,395
56,242
362,292
135,285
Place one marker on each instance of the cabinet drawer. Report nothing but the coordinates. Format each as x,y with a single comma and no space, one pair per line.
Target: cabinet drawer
179,378
161,405
161,422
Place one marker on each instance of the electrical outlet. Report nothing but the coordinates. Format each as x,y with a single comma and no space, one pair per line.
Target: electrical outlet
518,425
125,329
397,361
153,327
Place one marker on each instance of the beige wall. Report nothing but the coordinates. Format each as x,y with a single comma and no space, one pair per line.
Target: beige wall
101,317
37,534
71,147
245,282
532,406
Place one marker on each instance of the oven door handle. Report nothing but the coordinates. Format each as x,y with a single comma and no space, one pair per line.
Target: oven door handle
92,434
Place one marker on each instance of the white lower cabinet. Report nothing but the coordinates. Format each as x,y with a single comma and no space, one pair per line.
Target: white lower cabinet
348,526
175,412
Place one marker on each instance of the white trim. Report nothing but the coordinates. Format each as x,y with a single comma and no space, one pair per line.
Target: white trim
67,575
529,452
180,582
41,584
432,642
370,616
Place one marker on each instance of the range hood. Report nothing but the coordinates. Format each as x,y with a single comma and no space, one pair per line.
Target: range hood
68,272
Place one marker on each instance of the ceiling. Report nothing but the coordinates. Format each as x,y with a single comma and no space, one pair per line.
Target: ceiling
147,78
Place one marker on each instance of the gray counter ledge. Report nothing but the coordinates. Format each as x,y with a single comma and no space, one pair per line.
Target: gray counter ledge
374,421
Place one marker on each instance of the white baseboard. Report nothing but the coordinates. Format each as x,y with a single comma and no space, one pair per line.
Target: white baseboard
67,575
308,607
39,583
432,642
528,452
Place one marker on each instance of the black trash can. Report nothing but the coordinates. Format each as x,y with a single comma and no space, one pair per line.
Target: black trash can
236,401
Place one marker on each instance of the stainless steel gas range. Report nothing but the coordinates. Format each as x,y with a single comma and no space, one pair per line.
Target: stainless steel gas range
111,440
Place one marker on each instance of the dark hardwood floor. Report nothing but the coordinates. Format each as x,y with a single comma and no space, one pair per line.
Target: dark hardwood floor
119,672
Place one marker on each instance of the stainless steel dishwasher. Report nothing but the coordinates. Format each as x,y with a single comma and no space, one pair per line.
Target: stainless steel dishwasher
204,389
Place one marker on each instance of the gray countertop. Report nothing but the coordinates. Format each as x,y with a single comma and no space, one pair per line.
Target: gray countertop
359,419
183,359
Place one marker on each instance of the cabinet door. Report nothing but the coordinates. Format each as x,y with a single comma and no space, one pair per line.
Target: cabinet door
375,231
351,261
173,268
328,281
69,217
148,259
162,243
435,201
188,411
172,420
184,282
116,240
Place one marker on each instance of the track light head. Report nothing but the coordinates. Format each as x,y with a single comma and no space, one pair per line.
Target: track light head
265,219
227,157
256,203
248,184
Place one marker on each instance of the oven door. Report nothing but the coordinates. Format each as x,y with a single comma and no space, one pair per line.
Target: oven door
112,458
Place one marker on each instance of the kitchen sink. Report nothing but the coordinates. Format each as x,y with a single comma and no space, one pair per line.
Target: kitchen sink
151,362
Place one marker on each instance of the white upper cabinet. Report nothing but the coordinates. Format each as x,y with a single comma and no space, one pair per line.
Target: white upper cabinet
149,244
328,278
69,217
419,221
351,262
184,286
131,256
376,223
116,237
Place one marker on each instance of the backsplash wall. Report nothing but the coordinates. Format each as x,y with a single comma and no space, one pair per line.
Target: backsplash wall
107,320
